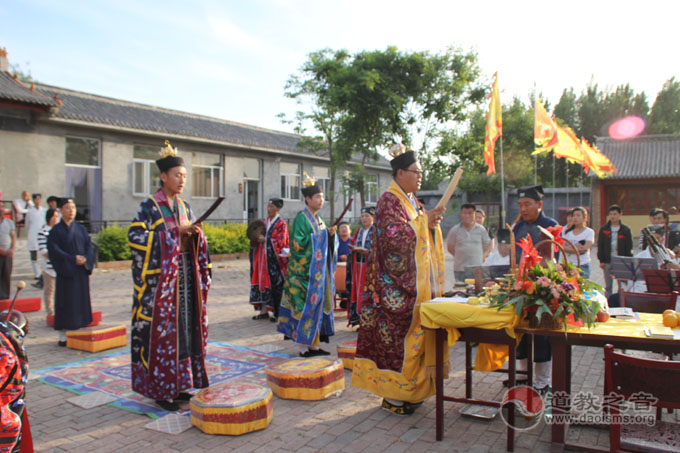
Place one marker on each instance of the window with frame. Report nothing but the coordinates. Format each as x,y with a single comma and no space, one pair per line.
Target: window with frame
207,172
371,186
290,181
322,176
146,177
82,151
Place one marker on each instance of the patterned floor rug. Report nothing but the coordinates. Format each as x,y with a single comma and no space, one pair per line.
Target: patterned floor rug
110,374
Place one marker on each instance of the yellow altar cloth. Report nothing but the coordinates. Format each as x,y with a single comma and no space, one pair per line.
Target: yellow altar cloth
453,316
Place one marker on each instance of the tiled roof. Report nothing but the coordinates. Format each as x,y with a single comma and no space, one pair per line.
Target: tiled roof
13,90
651,156
102,110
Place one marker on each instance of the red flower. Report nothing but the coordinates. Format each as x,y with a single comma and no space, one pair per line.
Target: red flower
530,256
556,231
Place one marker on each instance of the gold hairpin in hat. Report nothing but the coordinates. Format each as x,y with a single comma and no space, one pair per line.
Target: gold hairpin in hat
396,149
168,150
307,181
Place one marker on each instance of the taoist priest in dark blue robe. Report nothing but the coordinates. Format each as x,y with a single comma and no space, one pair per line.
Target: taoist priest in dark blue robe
71,254
530,201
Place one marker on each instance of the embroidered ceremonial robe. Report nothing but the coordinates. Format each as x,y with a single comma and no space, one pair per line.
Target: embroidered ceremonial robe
306,312
169,322
395,357
356,271
72,305
268,267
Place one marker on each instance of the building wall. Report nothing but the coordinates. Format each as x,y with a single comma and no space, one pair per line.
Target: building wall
33,159
29,162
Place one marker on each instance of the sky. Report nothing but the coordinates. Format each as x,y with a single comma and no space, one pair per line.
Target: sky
231,59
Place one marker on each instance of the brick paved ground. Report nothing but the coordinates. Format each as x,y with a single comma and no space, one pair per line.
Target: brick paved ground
352,422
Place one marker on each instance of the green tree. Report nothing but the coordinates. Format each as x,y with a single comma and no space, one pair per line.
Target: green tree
370,99
317,88
23,75
665,114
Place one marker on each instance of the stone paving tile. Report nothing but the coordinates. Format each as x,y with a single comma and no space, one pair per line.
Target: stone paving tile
352,422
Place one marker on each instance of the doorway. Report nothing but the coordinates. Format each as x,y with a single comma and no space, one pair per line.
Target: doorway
251,200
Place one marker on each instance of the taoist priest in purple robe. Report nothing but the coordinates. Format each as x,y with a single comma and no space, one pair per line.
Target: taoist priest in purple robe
171,276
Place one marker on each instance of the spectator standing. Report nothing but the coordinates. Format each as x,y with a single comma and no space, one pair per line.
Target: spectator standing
581,238
344,237
48,274
21,206
613,239
8,243
468,242
34,221
501,257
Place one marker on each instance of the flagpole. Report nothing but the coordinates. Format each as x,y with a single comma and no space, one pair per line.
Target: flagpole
502,186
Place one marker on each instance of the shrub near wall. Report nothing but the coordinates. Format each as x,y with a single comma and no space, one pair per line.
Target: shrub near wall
113,244
228,238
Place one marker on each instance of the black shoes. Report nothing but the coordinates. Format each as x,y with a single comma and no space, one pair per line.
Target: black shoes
167,405
272,319
184,397
62,343
314,353
517,382
261,316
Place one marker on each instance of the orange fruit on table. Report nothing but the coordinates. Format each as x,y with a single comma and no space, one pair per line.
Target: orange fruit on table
677,315
670,320
665,312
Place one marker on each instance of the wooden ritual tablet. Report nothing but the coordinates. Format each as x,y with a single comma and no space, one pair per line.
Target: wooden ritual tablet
95,339
232,408
346,352
311,379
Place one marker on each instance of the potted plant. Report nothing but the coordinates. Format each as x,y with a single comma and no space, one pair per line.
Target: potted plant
546,293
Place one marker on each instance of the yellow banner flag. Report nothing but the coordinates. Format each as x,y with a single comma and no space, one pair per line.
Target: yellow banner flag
494,127
545,130
597,161
569,146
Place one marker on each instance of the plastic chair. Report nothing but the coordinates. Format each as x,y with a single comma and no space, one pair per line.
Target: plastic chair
649,302
630,378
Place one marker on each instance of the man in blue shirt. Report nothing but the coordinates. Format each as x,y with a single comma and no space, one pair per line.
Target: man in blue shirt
531,213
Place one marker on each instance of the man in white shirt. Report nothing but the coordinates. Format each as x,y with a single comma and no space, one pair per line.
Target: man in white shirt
21,206
468,242
501,257
34,221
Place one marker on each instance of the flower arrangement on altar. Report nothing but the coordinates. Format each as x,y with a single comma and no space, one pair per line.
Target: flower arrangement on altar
549,294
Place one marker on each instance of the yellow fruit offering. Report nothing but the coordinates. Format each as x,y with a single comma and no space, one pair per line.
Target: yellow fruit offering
473,301
670,320
470,281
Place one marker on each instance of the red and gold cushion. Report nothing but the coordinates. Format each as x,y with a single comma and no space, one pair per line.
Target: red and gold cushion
309,379
346,352
23,305
232,408
98,338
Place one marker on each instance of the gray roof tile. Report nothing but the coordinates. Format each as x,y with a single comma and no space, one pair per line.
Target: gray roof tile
651,156
103,110
14,90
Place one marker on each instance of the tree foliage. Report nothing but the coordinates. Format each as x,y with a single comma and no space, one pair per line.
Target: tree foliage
361,103
665,114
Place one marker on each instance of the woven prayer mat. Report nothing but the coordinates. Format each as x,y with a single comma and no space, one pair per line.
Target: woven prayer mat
109,373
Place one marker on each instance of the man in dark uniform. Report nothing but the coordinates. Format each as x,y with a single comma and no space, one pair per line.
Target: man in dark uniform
530,201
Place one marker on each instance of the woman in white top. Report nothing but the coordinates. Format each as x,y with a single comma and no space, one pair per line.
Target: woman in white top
582,239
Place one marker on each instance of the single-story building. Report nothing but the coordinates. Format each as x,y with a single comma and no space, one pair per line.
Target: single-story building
648,177
101,152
